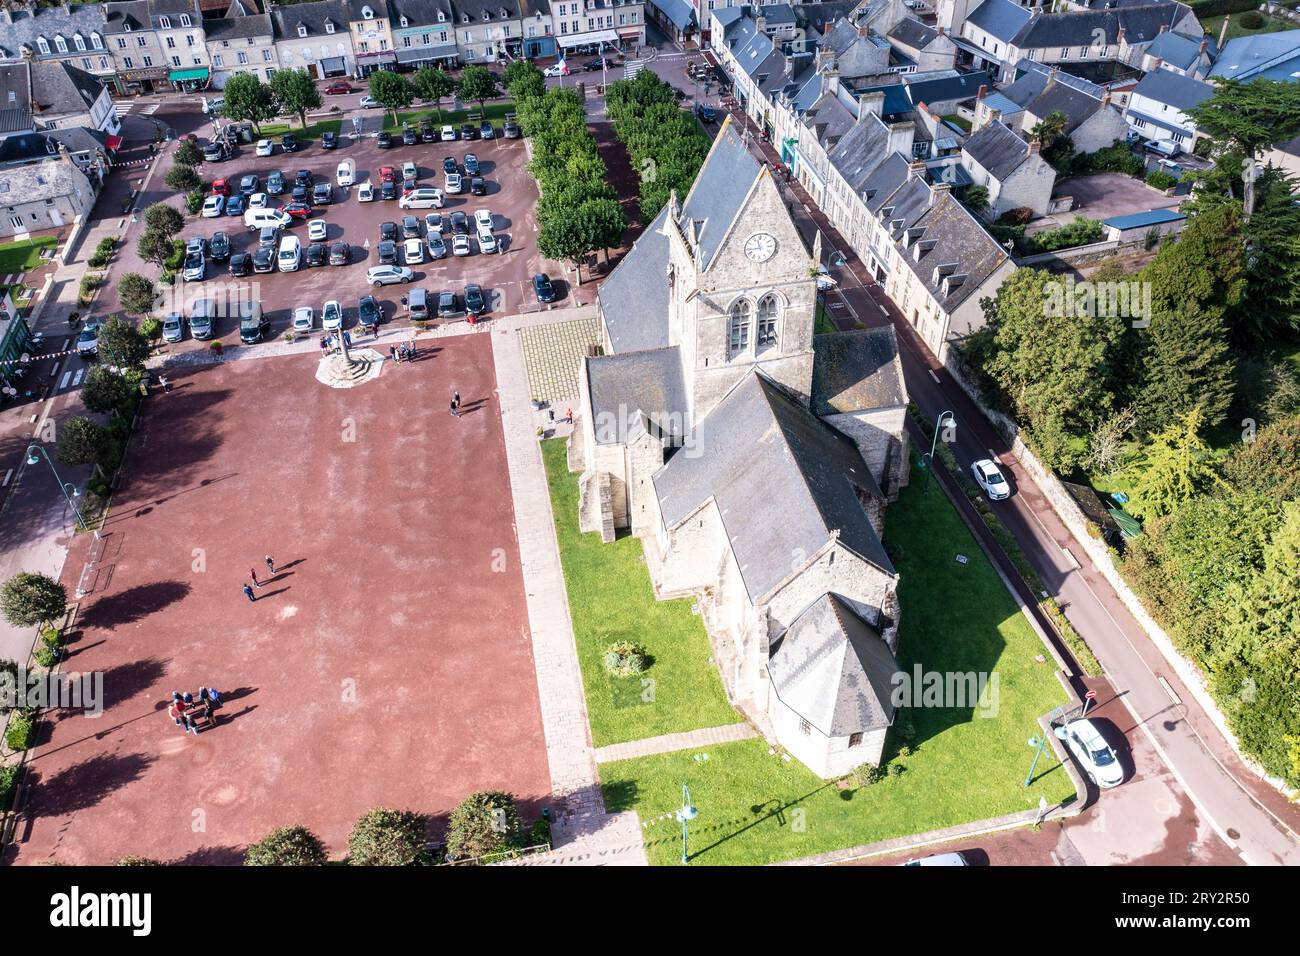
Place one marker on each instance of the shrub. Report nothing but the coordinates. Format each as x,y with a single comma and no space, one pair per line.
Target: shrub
151,328
387,838
19,732
1081,232
1251,20
177,258
137,861
8,784
1116,158
30,598
624,658
483,823
1159,179
287,846
194,201
539,833
46,656
1016,217
864,775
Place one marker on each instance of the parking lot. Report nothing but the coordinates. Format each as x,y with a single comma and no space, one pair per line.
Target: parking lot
505,276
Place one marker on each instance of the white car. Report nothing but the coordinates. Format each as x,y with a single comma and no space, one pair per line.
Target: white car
487,242
426,197
989,476
448,134
388,275
555,70
345,173
413,252
367,102
214,206
331,316
258,201
410,170
366,192
1093,753
460,245
265,147
289,257
483,220
454,184
304,319
433,224
317,230
939,859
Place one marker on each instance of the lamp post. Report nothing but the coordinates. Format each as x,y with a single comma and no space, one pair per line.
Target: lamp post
928,459
1038,743
685,814
33,458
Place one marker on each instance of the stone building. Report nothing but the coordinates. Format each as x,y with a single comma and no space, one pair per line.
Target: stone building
243,41
1011,169
753,461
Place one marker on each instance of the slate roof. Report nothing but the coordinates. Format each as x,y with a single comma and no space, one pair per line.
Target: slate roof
419,13
1000,18
239,27
721,186
783,481
1137,220
23,147
778,14
633,388
44,89
860,151
679,13
1181,92
493,8
33,182
998,149
130,13
634,298
913,33
1174,48
1087,27
1043,91
313,16
28,24
80,139
834,670
829,119
997,101
903,93
857,371
1272,56
726,16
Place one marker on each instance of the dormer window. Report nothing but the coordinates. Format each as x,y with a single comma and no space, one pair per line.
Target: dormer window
165,23
504,15
329,26
486,16
96,42
442,17
126,27
61,44
185,20
367,13
404,22
464,18
302,30
79,42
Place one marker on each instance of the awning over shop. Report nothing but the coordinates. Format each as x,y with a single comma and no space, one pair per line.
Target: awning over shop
185,76
334,64
114,143
380,56
585,39
426,54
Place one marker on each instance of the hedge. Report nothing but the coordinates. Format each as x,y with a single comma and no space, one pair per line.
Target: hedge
1204,9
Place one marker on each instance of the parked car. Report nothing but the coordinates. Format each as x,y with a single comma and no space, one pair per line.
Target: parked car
454,184
268,236
369,312
413,252
219,246
410,137
288,143
264,259
468,131
938,859
1093,753
329,140
265,148
322,194
459,222
304,177
410,227
366,192
448,134
388,275
437,248
367,102
173,328
387,230
460,245
258,201
235,206
706,113
553,70
447,304
300,194
486,130
408,186
433,223
426,197
203,319
474,302
543,288
483,220
338,87
88,340
427,134
248,184
214,206
387,251
196,244
449,166
989,477
388,189
304,319
289,258
195,268
487,243
385,140
261,218
253,323
471,164
317,254
275,183
340,254
241,264
410,170
511,130
296,210
345,173
477,187
331,316
215,152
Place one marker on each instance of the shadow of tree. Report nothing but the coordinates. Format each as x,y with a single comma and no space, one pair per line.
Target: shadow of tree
211,856
84,785
129,606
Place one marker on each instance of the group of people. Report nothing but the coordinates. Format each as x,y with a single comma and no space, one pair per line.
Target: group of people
402,353
455,405
328,343
252,573
186,712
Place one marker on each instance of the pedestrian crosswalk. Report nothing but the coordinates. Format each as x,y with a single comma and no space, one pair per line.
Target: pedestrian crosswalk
631,68
136,107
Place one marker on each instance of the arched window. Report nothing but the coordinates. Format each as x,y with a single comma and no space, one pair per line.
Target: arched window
96,41
738,327
768,309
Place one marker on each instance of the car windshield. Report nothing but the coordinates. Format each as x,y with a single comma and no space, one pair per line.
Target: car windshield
994,477
1103,757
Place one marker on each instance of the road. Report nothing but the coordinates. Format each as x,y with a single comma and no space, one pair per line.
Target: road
1248,815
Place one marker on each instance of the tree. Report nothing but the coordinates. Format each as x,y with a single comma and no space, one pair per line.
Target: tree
1249,116
295,92
1057,148
1204,268
433,86
104,389
188,152
28,599
1271,300
1175,465
1186,363
974,197
387,838
248,99
530,84
83,442
155,246
391,91
287,846
121,344
484,822
164,219
562,237
604,222
137,294
1106,443
182,178
518,70
1268,465
478,85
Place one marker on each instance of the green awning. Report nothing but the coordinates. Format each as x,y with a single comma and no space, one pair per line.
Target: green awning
180,76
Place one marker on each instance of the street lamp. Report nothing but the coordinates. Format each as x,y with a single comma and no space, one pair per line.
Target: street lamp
927,460
686,813
33,459
1037,743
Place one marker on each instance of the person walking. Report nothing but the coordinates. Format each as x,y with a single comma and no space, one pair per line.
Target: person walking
392,352
455,408
252,573
166,385
568,415
248,593
270,565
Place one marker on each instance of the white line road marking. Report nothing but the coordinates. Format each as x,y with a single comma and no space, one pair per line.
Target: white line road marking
1173,694
933,376
77,380
66,375
66,343
8,475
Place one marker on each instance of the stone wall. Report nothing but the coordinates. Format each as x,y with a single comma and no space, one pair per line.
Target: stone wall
881,437
827,757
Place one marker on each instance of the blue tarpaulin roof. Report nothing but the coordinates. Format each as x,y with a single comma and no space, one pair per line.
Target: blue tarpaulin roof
1152,217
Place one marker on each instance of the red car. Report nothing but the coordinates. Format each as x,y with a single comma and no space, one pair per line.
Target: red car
296,210
387,174
336,88
220,188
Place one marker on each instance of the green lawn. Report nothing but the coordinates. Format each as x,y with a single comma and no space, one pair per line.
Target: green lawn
822,323
23,255
959,121
496,112
755,808
1214,24
304,135
610,598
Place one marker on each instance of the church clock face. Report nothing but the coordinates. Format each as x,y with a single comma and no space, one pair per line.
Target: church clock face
760,247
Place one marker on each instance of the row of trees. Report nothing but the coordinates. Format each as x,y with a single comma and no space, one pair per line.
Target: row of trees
578,212
394,92
248,99
665,142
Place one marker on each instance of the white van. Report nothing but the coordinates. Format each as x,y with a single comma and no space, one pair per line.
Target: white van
1165,147
290,256
345,175
256,219
426,197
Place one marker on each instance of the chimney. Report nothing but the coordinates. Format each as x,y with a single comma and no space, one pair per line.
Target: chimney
862,30
1119,39
1205,45
938,190
1105,98
916,170
1155,64
1034,146
900,138
1223,31
983,92
941,32
1164,28
760,23
870,103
